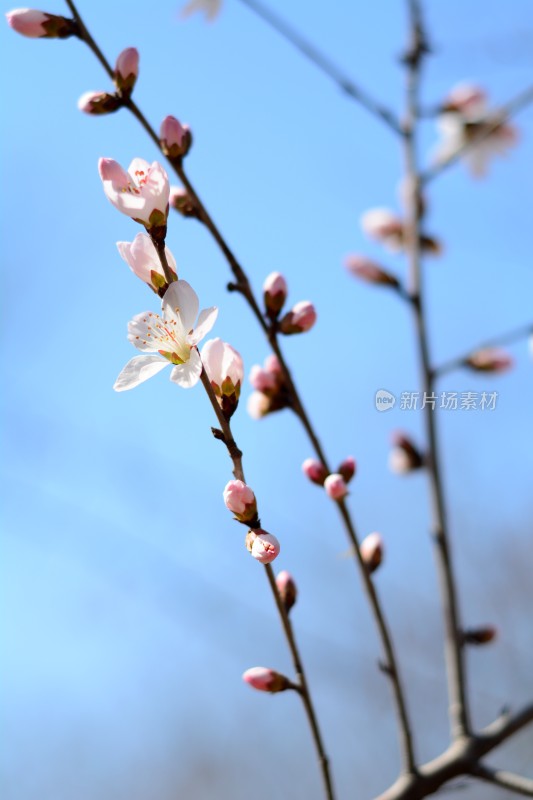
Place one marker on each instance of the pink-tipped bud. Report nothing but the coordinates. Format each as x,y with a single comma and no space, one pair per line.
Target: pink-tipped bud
367,270
275,293
490,359
383,226
371,550
404,457
262,380
98,103
40,25
272,364
335,486
240,500
258,405
181,201
299,319
466,99
175,138
479,636
266,680
225,371
263,546
315,471
126,70
347,468
287,589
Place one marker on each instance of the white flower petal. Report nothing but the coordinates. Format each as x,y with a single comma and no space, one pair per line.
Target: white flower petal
181,303
206,320
138,370
143,332
187,374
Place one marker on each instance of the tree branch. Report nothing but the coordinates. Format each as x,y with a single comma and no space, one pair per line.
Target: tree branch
507,780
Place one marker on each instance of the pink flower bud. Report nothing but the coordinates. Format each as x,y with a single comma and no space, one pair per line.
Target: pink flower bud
300,319
240,500
335,486
404,456
262,545
262,380
467,99
175,138
347,468
490,359
98,103
225,370
315,471
275,293
367,270
141,257
40,25
371,550
272,364
181,201
480,635
127,70
383,226
258,405
287,589
265,680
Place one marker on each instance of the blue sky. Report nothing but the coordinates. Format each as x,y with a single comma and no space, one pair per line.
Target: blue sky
133,606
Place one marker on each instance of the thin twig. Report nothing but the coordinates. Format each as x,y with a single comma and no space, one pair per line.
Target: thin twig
507,780
505,338
352,90
243,285
501,116
454,653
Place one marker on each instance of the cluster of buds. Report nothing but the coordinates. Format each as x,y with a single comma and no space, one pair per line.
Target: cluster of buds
372,550
404,457
465,121
225,370
299,319
239,498
335,483
490,359
271,389
124,77
386,227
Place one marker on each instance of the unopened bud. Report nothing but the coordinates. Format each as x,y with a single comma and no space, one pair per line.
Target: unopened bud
98,103
490,359
347,468
383,226
262,546
367,270
479,636
299,319
272,364
181,201
266,680
371,550
315,471
126,70
175,138
466,99
287,589
275,293
335,486
240,500
225,371
404,456
262,380
258,405
40,25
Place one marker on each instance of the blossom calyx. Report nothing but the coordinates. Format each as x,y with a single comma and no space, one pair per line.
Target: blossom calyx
41,25
126,70
275,292
175,138
262,546
266,680
240,500
225,371
299,319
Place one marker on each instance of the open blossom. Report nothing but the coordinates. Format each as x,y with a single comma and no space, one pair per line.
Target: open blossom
262,546
141,193
371,550
40,25
367,270
175,138
335,486
225,371
299,319
240,500
127,69
265,680
141,257
490,359
170,338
